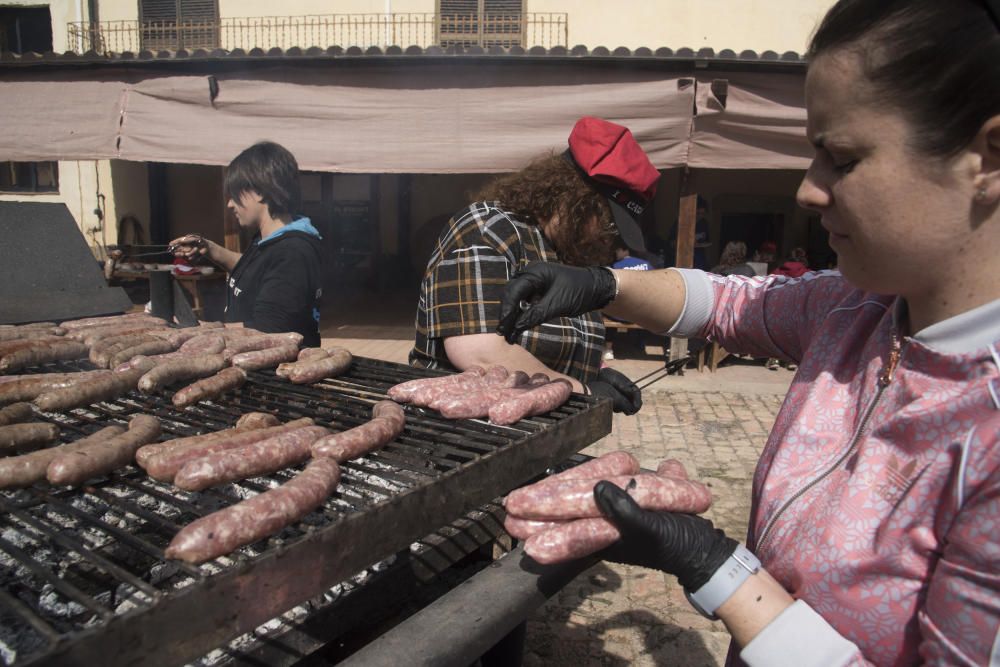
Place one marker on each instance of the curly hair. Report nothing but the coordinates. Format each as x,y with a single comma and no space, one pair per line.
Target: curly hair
734,253
550,187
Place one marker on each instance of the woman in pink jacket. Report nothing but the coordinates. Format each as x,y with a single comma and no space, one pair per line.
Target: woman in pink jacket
875,528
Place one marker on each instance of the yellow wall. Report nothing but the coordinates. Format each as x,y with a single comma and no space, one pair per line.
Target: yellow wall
760,25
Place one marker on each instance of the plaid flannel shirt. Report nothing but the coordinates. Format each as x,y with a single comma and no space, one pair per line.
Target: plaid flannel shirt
475,256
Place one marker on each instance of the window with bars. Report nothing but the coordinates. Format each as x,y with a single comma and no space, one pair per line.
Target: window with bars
29,177
480,22
179,24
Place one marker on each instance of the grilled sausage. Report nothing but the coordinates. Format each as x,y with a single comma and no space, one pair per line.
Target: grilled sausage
404,391
211,387
61,350
252,421
313,370
93,336
571,540
574,499
672,468
388,421
99,458
28,333
93,390
522,529
8,346
106,320
164,464
182,368
269,358
102,350
206,343
236,346
28,434
12,414
254,519
539,400
259,458
310,353
145,349
24,470
27,387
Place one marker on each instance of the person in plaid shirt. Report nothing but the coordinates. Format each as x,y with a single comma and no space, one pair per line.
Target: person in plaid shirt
569,208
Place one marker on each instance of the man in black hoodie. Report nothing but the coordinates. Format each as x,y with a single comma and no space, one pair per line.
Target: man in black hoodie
276,285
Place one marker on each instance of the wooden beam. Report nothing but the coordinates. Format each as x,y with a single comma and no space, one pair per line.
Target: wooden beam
687,218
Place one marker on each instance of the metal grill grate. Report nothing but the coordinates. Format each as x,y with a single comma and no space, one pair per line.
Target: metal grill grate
82,572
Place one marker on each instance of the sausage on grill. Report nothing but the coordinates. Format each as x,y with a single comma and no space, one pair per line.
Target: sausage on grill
259,458
269,358
206,343
211,387
388,421
164,464
29,434
404,391
43,353
539,400
83,463
307,371
28,333
180,369
15,413
94,390
574,499
252,421
24,470
256,518
28,387
106,320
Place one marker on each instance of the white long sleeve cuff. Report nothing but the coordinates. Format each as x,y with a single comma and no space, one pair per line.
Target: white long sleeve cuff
799,637
699,301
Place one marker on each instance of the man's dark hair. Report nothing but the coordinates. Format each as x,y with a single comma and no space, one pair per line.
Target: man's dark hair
937,62
269,170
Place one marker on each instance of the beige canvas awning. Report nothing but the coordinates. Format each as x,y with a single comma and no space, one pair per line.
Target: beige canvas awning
436,118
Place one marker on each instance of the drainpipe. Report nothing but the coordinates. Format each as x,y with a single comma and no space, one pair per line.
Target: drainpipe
79,34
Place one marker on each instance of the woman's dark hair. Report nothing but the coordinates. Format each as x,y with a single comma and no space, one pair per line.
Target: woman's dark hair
269,170
936,61
551,186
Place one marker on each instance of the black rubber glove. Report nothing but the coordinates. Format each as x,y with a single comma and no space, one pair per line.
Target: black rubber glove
549,290
625,395
684,545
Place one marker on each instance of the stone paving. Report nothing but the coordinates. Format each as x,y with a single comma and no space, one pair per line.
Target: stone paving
716,425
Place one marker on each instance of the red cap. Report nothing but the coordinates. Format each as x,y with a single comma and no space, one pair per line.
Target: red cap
617,166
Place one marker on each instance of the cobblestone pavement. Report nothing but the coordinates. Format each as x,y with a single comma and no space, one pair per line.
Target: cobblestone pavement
621,615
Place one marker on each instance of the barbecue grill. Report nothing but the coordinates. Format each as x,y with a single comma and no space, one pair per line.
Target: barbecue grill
83,579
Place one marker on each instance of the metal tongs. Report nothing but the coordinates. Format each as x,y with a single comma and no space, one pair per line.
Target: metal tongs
196,240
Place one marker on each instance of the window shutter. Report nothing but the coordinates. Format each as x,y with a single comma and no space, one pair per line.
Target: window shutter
177,24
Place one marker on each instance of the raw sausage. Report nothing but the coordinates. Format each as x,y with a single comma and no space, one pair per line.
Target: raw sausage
254,420
672,468
27,435
404,391
12,414
539,400
313,370
258,359
574,499
145,349
259,458
61,350
388,421
27,333
106,320
101,351
256,518
165,465
522,529
99,458
475,405
571,540
603,467
182,368
20,471
102,388
211,387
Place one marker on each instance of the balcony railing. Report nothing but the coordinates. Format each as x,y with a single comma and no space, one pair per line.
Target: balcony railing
345,30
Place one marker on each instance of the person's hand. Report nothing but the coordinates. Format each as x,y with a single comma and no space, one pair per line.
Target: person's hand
685,545
188,247
544,290
625,395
